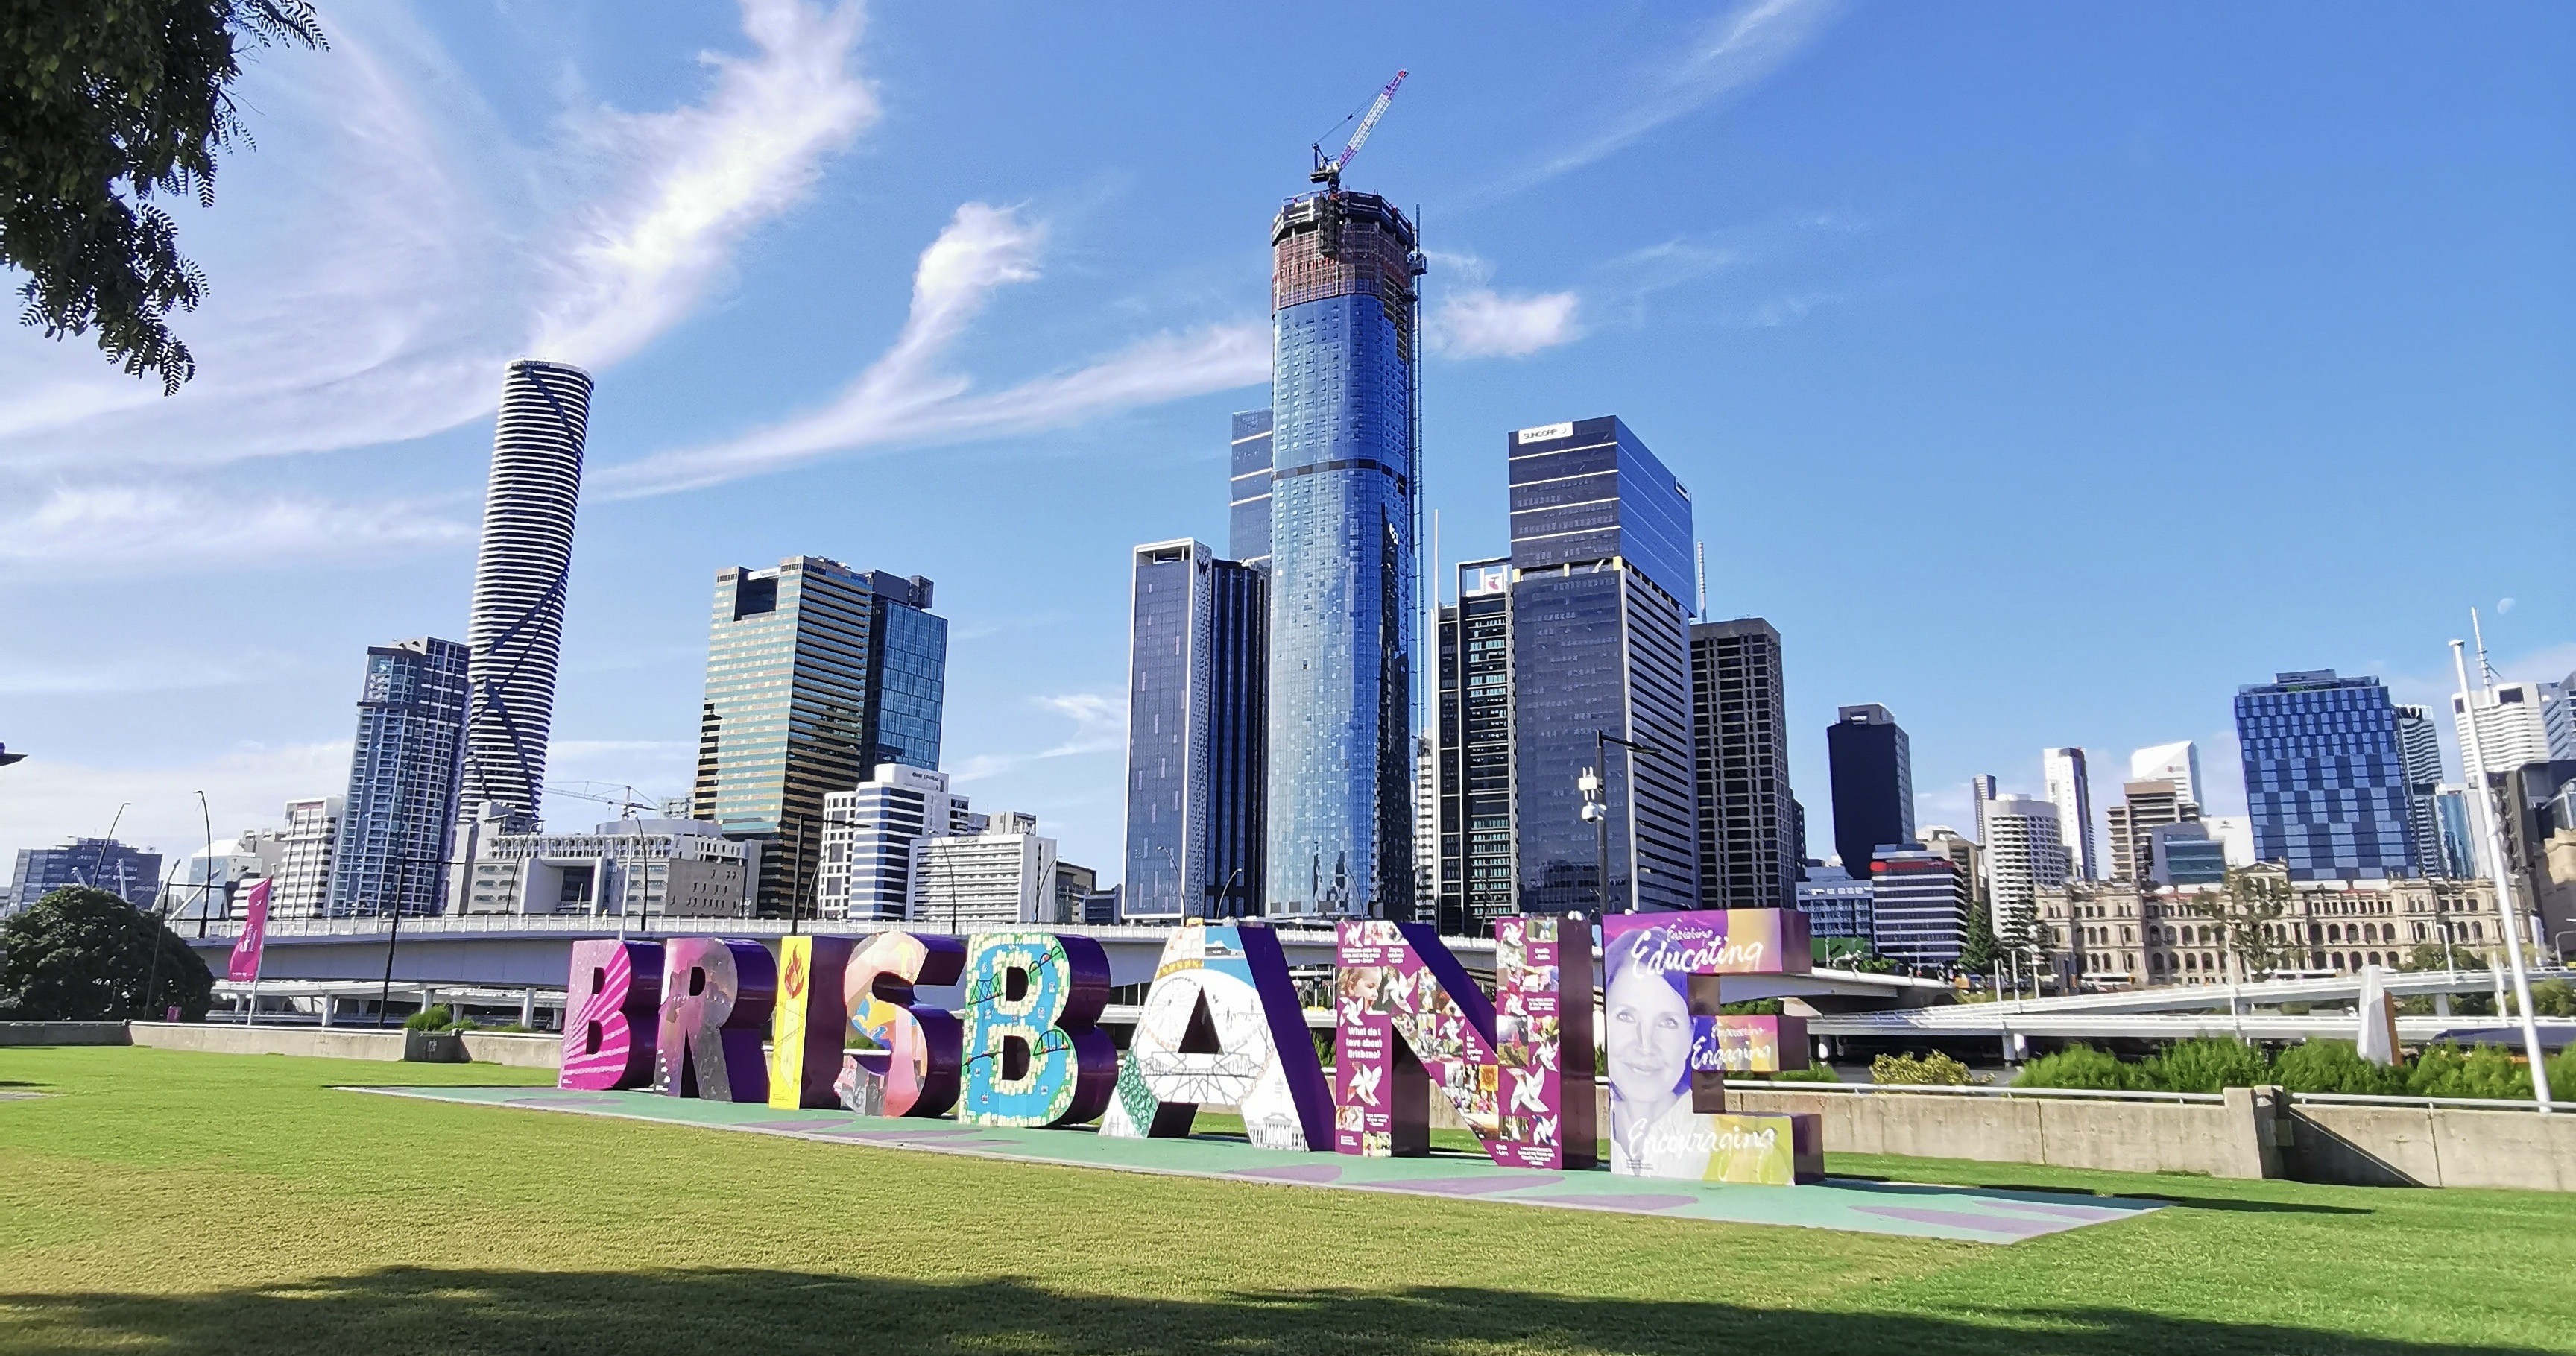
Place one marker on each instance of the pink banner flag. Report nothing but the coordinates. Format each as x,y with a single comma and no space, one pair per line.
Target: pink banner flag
254,936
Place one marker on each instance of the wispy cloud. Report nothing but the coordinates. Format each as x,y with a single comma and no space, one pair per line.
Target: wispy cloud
1483,323
53,674
910,396
49,798
709,174
1099,726
1732,52
387,252
159,525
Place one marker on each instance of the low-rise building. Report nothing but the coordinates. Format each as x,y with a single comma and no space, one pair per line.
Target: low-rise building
1001,876
636,868
1837,907
2116,935
1919,902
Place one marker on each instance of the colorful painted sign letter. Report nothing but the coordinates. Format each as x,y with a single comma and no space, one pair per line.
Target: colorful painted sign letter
1222,1025
1670,1048
611,1007
811,1023
1033,1055
1411,1018
914,1069
716,997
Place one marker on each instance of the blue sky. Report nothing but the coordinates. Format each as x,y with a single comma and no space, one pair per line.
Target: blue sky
2043,372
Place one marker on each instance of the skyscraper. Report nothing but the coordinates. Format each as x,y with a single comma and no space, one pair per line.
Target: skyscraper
303,888
2069,780
2325,779
1475,751
2177,763
1873,775
2419,744
1196,666
2145,807
1601,560
1343,486
1748,821
868,835
2519,723
391,853
816,674
2026,860
101,863
1247,534
516,629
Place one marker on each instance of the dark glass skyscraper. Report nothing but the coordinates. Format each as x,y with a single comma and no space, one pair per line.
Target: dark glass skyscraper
1475,752
403,777
1194,735
1247,536
1873,772
1342,495
1748,822
815,674
1601,560
2326,777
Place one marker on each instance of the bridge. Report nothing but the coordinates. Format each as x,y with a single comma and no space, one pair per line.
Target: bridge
2251,1011
520,952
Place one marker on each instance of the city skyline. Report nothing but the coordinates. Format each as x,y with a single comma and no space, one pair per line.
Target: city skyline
251,718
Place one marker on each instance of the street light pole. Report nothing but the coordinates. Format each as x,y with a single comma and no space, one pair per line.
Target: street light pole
1595,785
2510,909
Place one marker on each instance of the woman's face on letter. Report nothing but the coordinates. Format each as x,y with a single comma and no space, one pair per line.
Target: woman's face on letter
1649,1035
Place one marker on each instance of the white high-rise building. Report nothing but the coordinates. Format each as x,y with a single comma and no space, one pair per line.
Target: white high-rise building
2519,723
2069,780
868,835
516,628
1002,876
2176,763
303,888
208,883
2026,858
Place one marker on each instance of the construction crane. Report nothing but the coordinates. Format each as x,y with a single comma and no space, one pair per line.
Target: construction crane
1328,172
626,805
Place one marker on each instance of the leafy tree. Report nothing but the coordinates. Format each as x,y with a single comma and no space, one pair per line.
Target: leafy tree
104,104
2248,913
2553,998
1979,953
84,955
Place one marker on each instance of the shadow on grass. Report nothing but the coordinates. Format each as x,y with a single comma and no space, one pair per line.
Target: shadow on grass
409,1309
2061,1192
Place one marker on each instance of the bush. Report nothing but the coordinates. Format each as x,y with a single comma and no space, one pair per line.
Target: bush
435,1017
1932,1070
2553,998
2205,1064
2079,1066
1823,1073
2480,1071
2336,1066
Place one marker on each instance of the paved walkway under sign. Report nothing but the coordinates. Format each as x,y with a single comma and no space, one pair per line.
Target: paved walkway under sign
1921,1211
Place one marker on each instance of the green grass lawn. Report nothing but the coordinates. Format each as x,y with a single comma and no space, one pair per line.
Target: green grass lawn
167,1201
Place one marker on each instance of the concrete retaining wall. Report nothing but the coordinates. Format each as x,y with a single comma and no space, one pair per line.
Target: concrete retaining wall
62,1033
513,1049
2433,1146
2114,1136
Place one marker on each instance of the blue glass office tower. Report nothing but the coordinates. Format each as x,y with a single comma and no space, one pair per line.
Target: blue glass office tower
2326,777
404,775
1194,735
1345,326
1601,560
816,673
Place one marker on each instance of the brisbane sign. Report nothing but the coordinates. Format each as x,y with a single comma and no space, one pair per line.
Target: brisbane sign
1221,1025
